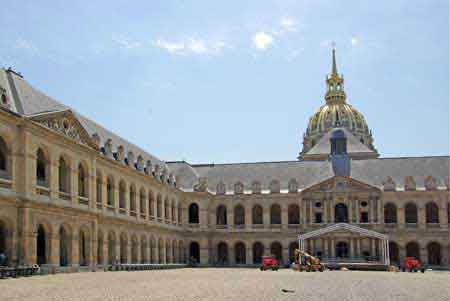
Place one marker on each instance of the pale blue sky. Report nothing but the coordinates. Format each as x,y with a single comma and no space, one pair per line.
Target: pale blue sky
235,81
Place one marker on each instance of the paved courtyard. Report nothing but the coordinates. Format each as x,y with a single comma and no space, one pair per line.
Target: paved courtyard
229,284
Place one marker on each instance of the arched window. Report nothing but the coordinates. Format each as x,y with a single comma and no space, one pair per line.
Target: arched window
83,248
110,191
240,252
258,252
41,168
432,213
122,195
166,209
159,206
134,250
275,214
151,204
100,246
292,247
413,250
82,181
411,213
390,213
142,200
222,253
257,215
276,250
64,176
221,215
132,198
123,248
193,214
341,213
144,257
239,215
293,214
3,158
434,253
173,209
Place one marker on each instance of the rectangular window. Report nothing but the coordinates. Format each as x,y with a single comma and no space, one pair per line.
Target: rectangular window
318,218
364,217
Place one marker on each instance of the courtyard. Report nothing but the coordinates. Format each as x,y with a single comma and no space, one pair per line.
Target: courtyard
229,284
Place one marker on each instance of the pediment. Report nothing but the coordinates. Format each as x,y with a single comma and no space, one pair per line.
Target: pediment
65,123
340,184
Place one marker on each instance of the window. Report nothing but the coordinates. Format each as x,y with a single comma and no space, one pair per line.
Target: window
110,191
432,213
257,215
99,189
411,213
294,214
275,214
193,214
122,192
64,176
82,182
221,215
364,217
239,215
41,168
3,155
390,214
132,198
318,218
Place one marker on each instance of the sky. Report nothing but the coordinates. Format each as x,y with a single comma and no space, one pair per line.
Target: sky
237,81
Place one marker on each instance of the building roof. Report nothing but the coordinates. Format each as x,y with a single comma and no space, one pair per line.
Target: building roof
28,101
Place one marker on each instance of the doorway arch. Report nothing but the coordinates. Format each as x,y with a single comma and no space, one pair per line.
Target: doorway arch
194,252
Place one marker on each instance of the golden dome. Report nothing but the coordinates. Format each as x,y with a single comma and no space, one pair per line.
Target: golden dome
336,113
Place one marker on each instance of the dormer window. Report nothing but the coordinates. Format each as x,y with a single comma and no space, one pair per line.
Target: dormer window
338,143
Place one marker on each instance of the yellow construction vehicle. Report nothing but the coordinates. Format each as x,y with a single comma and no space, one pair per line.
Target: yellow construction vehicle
306,262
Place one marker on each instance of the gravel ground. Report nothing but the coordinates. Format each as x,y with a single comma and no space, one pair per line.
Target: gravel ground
229,284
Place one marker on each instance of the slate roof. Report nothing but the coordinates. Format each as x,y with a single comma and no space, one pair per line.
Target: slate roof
307,173
30,101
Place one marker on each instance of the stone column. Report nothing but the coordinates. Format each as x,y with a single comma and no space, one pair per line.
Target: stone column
358,247
73,181
249,254
325,211
350,210
303,208
333,248
266,215
54,249
204,252
372,247
326,251
401,216
284,215
352,248
74,256
230,216
311,206
285,254
248,216
104,195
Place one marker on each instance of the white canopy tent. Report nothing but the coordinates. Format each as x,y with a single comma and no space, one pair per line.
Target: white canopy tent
355,229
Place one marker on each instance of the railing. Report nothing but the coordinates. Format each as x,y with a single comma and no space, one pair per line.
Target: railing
64,195
83,200
133,213
42,190
122,211
99,206
5,181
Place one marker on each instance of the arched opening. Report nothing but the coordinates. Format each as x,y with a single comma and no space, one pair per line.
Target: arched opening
294,214
63,247
41,246
168,252
412,250
63,176
276,250
174,251
239,215
390,214
394,256
3,233
122,195
153,251
258,252
257,215
111,248
193,214
221,215
292,247
166,209
434,253
411,213
341,213
123,249
151,204
194,252
222,253
275,214
82,181
341,249
4,168
41,168
432,213
239,251
110,191
83,252
134,250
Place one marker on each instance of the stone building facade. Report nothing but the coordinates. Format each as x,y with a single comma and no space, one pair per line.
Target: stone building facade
73,195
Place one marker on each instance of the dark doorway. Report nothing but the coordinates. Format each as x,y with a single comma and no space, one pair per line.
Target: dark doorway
341,213
258,252
341,250
41,246
194,252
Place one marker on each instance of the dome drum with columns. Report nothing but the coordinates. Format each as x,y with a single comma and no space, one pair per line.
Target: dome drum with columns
335,113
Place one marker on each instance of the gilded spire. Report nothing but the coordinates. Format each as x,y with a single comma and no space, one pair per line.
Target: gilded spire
335,83
334,69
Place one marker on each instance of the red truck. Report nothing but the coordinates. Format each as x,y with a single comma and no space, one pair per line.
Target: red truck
412,264
269,263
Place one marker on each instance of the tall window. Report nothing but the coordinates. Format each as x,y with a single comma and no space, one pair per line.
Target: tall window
193,214
122,193
110,191
239,215
390,214
64,176
132,198
41,168
293,214
432,213
257,215
221,215
82,182
411,213
99,188
275,214
142,201
3,158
